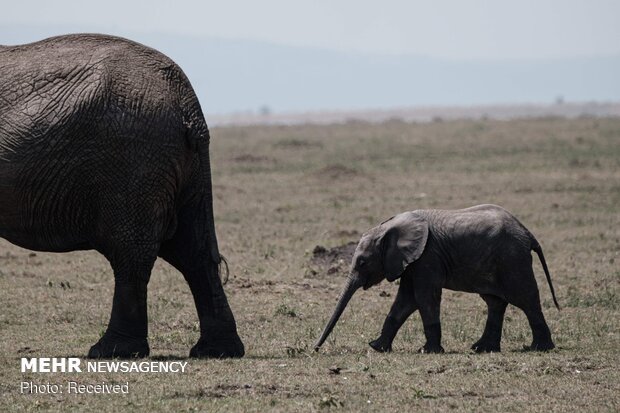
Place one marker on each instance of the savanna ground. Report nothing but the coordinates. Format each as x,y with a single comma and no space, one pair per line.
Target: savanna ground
281,191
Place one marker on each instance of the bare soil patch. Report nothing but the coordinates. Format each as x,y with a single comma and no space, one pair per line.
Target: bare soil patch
249,158
334,260
337,171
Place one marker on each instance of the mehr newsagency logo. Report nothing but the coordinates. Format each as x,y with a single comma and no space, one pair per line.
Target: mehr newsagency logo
77,365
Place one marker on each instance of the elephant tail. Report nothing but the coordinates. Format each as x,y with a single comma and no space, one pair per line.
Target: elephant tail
536,247
212,237
224,263
197,136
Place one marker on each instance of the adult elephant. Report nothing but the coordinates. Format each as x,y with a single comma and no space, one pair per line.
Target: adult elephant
103,145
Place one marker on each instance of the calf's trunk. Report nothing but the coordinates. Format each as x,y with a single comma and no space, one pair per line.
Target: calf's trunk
352,285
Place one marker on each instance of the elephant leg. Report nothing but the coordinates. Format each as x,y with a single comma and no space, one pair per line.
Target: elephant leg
429,301
404,305
527,298
126,335
492,335
541,335
218,329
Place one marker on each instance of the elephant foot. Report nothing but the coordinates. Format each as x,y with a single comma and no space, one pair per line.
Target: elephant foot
485,347
540,346
218,347
382,346
119,347
429,348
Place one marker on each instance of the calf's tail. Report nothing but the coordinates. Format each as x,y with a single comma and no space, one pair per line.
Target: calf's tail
538,250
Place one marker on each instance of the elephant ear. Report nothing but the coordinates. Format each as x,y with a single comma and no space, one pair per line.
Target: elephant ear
403,242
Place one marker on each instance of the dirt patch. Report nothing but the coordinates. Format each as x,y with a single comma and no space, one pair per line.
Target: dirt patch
244,282
226,390
337,171
344,233
249,158
297,143
332,260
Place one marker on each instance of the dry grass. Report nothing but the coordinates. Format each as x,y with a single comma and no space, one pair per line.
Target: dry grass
280,191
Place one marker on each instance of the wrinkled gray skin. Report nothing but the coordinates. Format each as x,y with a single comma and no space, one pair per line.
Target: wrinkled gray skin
483,249
103,145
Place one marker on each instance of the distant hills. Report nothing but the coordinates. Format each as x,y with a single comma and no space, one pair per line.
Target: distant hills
422,114
240,76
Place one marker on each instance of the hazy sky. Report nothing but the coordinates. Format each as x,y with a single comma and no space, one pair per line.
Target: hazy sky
442,28
297,55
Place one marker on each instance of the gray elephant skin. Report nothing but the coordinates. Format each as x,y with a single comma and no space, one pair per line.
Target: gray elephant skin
483,249
104,146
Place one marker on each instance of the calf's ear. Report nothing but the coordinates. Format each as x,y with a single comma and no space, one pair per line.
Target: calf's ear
404,239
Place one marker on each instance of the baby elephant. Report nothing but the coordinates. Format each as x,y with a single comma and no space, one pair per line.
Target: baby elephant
483,249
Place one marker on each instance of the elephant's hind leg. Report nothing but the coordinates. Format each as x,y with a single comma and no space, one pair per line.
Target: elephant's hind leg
541,335
492,335
526,297
190,255
126,335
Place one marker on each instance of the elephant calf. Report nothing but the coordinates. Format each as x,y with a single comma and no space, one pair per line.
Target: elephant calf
483,249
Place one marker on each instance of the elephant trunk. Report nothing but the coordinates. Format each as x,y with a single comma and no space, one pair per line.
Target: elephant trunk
353,284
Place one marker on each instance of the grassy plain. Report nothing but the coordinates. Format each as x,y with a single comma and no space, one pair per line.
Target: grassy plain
282,190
